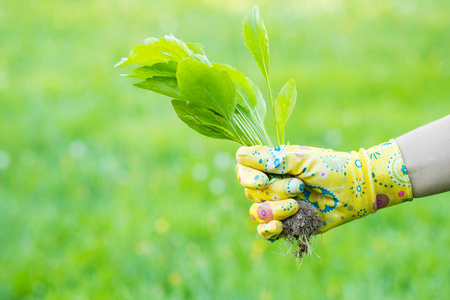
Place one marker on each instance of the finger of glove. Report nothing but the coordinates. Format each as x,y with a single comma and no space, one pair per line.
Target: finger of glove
270,231
251,178
278,160
273,210
278,189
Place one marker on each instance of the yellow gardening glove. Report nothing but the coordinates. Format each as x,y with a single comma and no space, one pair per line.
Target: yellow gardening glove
280,192
341,186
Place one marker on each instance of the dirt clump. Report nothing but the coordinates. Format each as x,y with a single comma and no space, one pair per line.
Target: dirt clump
299,228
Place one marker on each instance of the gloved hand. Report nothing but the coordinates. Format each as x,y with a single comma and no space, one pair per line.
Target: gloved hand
279,191
342,186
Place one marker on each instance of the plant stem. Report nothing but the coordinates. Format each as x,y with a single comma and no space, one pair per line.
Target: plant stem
255,130
233,126
262,130
243,129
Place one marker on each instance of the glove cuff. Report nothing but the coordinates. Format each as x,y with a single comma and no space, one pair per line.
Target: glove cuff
389,182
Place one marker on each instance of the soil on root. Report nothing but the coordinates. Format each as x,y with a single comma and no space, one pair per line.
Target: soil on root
299,228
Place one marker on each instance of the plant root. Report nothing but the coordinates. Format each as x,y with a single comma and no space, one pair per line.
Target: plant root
299,228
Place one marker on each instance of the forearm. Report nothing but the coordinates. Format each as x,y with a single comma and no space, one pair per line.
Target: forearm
426,153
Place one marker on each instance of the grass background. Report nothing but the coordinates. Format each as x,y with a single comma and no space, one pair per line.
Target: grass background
105,194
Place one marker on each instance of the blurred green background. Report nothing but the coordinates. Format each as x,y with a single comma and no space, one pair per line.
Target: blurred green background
105,194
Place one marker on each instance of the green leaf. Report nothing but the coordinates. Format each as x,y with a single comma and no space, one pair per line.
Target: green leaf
284,104
196,48
204,121
207,87
205,116
209,131
257,40
198,52
163,85
155,51
249,96
159,69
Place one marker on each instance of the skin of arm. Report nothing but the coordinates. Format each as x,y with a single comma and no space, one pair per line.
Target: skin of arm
426,153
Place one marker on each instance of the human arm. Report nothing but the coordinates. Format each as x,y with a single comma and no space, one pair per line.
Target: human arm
426,153
384,178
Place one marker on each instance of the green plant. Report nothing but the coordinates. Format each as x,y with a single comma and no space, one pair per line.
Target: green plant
219,101
214,99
